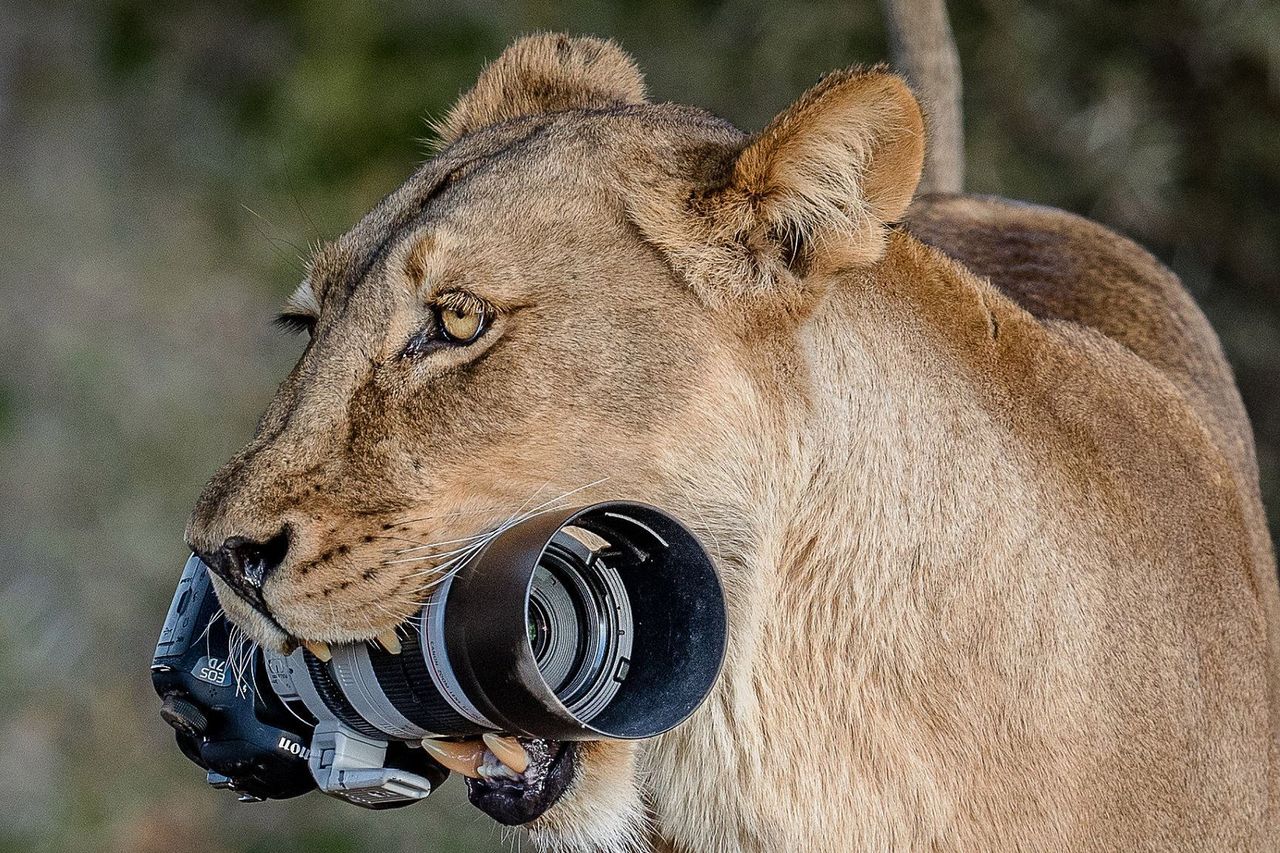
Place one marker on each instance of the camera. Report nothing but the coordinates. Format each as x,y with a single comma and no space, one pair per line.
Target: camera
604,621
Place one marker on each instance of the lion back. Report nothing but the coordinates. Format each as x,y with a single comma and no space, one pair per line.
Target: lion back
1065,270
1059,266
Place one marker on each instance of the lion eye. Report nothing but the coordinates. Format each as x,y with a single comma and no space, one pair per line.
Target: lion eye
462,325
296,323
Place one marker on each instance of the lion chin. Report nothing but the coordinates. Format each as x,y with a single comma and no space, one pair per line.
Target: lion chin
602,808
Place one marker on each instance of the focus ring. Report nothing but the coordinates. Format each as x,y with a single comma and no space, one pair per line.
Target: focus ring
408,686
329,693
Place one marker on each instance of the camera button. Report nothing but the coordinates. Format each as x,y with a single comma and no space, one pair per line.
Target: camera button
184,715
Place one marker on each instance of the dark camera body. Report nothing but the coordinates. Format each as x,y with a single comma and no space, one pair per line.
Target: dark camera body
229,719
539,634
247,740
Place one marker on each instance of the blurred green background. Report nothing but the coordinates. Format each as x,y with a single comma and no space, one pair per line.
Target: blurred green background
163,166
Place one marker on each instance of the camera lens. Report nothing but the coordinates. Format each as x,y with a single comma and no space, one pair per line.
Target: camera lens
604,621
554,625
580,623
539,632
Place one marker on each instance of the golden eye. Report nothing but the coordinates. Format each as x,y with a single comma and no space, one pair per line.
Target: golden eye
462,325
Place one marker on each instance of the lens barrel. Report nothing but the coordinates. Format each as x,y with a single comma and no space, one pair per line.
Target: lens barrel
605,621
675,639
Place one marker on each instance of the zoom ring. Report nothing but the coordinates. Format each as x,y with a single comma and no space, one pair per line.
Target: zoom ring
410,689
331,695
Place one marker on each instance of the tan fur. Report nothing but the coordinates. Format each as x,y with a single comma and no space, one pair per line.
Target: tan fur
980,486
841,161
544,73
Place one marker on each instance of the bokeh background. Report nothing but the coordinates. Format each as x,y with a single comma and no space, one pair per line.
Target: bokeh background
164,165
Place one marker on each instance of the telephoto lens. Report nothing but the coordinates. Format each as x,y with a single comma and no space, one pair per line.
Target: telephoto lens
606,621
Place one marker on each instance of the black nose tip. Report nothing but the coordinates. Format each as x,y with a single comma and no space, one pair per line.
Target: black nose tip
245,564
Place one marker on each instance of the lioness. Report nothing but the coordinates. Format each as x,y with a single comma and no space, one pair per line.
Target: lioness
975,473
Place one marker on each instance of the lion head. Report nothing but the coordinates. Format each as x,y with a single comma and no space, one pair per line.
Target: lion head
582,295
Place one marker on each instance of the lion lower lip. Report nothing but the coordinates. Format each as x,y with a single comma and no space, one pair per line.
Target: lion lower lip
514,800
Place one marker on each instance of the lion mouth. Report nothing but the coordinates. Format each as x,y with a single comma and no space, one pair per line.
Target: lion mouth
513,780
518,800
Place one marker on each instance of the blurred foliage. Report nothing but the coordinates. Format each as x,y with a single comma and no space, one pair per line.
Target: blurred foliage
165,165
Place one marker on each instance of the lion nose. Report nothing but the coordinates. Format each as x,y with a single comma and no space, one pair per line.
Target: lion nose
245,564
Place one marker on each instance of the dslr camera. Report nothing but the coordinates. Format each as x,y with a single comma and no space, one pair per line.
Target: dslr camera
604,621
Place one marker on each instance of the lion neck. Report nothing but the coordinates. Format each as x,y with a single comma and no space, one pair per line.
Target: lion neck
877,445
869,506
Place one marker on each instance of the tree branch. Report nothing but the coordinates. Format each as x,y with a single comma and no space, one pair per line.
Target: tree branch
923,48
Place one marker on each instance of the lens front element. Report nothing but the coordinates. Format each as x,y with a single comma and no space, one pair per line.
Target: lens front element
581,626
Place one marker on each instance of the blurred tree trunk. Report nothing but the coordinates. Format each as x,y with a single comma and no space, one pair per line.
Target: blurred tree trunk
923,49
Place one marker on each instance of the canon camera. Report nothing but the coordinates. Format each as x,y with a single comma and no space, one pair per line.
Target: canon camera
606,621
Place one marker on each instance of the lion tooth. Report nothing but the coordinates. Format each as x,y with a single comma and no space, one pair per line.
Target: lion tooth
508,750
496,771
319,648
390,641
462,757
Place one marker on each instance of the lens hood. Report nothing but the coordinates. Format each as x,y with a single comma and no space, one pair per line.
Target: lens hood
677,621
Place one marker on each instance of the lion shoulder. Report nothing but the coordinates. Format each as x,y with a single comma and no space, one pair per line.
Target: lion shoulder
1061,267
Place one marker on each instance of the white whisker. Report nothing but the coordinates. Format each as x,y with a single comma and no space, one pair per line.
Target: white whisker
421,557
438,544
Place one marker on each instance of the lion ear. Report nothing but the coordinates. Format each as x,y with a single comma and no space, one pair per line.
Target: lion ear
851,148
543,73
820,183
